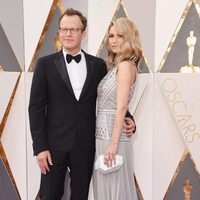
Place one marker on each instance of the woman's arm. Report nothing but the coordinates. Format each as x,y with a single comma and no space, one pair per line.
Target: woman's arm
125,77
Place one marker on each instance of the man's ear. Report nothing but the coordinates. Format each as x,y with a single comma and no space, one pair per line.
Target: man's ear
83,34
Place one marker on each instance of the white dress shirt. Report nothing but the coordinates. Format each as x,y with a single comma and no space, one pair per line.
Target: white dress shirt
77,73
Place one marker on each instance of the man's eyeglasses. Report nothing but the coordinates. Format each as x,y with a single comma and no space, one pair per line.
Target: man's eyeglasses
71,30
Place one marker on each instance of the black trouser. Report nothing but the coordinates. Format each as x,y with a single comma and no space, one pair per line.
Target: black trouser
80,164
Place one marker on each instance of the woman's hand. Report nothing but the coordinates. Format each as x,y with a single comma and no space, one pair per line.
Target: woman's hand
109,156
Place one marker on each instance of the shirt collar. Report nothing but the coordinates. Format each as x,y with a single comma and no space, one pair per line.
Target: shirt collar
65,53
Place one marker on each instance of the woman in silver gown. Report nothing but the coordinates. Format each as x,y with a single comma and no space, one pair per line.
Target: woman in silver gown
114,94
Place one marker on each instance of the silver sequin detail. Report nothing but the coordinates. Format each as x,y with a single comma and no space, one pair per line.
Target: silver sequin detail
107,104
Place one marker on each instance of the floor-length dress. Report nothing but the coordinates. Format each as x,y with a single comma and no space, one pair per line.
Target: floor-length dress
118,185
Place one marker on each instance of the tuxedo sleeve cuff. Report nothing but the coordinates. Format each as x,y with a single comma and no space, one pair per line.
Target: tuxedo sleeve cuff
39,147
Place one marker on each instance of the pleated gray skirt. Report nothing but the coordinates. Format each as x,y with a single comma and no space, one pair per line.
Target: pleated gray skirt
118,185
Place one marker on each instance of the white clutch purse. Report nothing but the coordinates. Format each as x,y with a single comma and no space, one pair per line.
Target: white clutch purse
102,168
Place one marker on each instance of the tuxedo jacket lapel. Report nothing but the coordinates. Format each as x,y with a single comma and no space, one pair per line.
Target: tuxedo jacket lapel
61,67
90,68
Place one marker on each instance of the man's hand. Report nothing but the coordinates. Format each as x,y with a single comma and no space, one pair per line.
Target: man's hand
44,160
130,127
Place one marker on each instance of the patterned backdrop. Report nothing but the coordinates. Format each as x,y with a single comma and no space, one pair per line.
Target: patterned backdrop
166,108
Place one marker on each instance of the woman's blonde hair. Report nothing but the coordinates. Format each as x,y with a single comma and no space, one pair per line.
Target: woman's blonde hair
130,49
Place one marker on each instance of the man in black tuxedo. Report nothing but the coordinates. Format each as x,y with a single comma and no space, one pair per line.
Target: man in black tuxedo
62,111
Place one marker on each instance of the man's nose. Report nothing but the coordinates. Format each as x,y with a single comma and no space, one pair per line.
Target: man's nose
68,32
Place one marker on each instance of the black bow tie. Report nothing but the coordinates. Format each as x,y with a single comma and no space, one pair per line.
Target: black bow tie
77,58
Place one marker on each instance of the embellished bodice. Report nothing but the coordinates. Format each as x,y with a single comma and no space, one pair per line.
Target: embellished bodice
107,104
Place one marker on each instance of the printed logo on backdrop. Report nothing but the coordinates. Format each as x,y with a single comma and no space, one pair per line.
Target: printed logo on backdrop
183,52
182,93
180,98
180,90
185,184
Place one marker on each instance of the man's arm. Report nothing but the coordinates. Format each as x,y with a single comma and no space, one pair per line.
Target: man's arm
37,106
130,125
37,117
128,114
